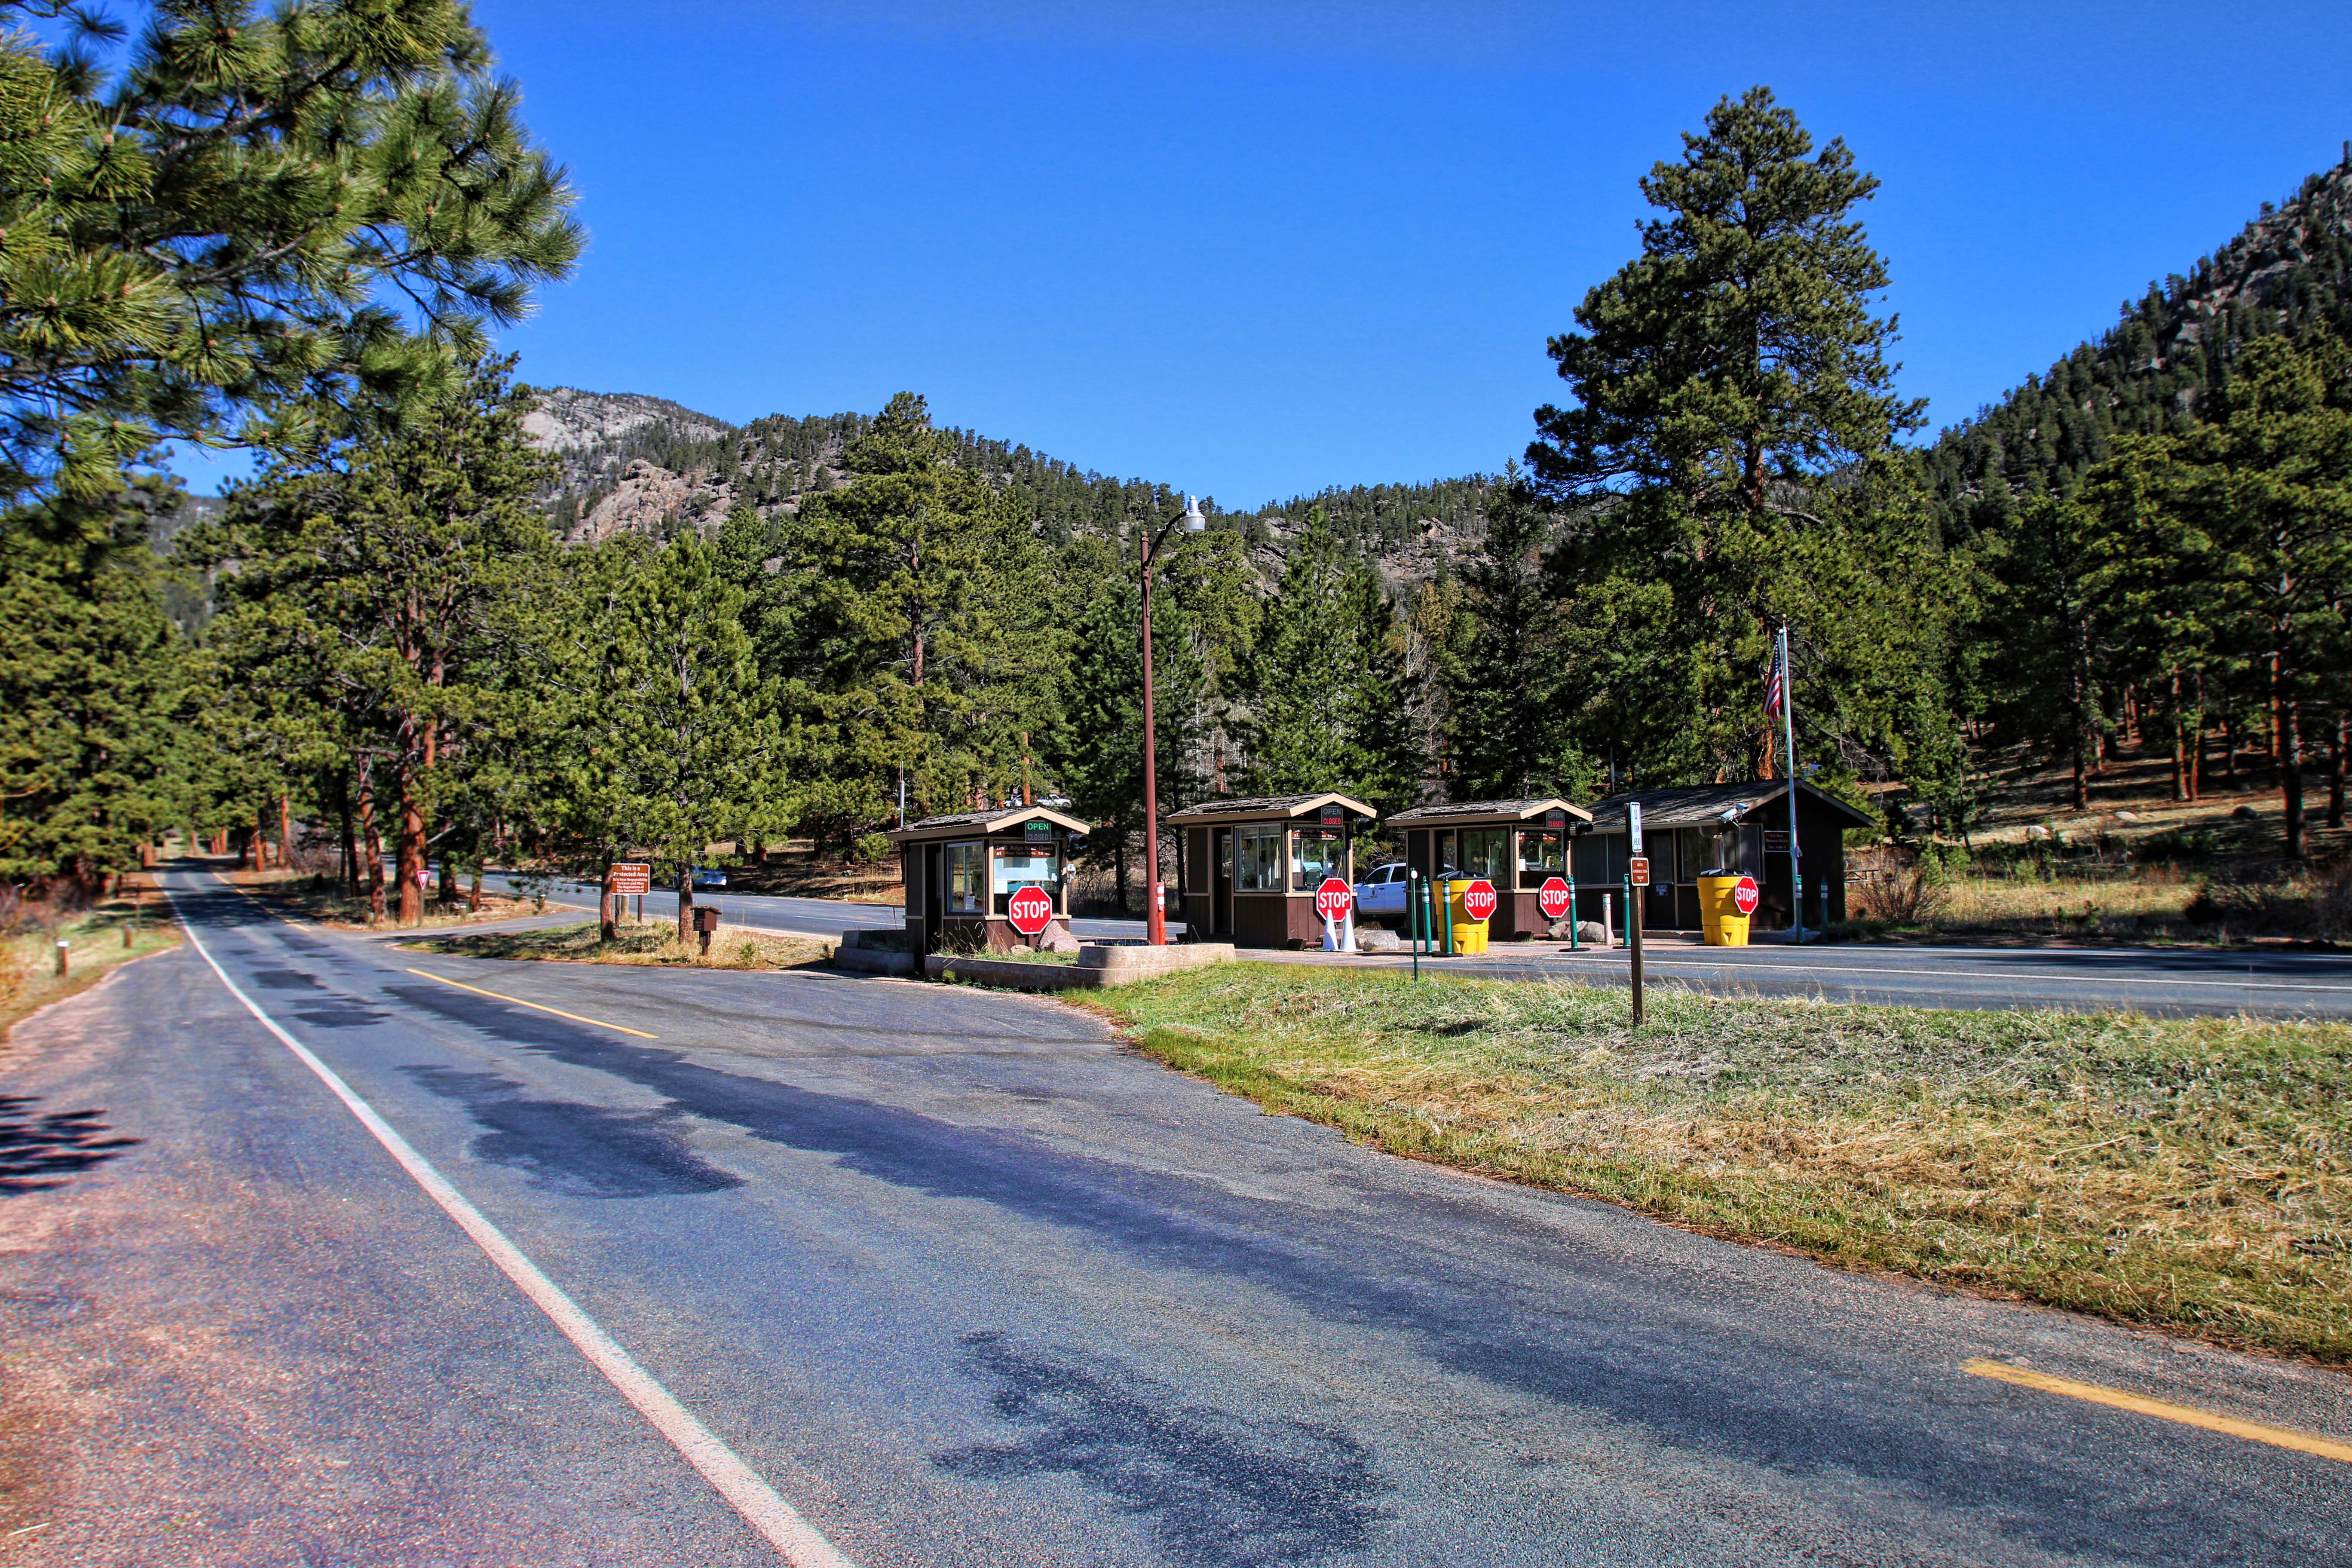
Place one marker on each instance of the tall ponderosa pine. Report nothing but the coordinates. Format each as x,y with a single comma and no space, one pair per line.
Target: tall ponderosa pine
912,625
230,217
1512,698
677,742
404,572
1326,682
1728,463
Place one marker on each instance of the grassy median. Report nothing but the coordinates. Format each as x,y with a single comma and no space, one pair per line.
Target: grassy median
2195,1175
646,941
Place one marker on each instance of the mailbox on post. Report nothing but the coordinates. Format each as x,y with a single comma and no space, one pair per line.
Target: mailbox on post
706,923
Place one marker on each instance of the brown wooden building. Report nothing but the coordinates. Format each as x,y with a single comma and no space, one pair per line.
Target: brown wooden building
1513,844
1736,828
961,871
1251,867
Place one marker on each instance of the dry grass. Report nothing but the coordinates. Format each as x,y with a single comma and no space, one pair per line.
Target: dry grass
28,978
651,942
2193,1174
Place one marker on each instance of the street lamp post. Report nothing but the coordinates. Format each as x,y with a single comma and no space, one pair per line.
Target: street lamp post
1155,913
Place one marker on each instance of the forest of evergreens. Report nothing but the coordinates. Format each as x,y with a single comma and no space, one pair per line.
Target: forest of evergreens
385,636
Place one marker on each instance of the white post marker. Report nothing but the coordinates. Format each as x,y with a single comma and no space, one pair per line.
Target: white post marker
796,1540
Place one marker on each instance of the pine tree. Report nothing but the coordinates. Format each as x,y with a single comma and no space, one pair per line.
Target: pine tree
676,743
1511,694
1729,463
401,568
224,221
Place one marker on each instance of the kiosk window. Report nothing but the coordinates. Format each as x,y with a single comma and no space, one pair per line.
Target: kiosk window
1314,854
1259,849
1486,852
967,873
1541,855
1027,865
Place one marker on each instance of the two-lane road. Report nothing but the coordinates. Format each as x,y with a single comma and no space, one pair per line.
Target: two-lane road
2165,980
964,1283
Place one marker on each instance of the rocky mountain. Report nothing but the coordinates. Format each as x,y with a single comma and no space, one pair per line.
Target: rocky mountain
2290,270
632,463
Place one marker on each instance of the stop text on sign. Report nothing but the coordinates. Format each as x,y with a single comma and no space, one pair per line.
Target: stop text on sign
1552,899
1744,896
631,877
1478,900
1031,910
1334,898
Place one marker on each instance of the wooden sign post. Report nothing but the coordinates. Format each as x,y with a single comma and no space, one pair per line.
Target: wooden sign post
623,879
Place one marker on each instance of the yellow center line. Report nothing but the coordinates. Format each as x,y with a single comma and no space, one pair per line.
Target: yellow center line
518,1002
2279,1436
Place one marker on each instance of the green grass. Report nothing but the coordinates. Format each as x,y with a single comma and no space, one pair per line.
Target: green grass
2186,1173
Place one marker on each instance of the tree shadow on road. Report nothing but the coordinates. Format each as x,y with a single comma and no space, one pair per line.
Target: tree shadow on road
37,1152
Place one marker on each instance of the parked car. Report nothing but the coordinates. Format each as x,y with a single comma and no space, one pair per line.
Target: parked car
1380,894
709,878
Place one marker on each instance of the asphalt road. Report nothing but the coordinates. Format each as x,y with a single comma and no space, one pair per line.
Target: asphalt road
965,1285
2174,981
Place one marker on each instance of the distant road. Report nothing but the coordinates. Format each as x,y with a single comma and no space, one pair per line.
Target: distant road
808,916
2169,981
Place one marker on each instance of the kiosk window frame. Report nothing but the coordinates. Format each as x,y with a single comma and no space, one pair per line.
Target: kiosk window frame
964,872
1257,856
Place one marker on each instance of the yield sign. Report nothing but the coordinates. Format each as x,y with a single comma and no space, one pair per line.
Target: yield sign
1030,910
1334,898
1744,896
1478,900
1552,899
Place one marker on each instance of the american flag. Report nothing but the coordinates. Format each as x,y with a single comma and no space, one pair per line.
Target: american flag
1776,689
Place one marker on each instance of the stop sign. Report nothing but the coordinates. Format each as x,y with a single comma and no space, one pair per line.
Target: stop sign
1030,910
1334,898
1744,895
1552,899
1478,900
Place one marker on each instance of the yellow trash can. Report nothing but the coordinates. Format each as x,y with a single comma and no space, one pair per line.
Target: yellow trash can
1721,920
1469,935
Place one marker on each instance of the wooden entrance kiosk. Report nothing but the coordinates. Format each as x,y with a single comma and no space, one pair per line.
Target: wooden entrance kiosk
961,871
1251,867
1513,844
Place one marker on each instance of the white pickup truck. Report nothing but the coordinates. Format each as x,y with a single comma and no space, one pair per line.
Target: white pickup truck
1380,894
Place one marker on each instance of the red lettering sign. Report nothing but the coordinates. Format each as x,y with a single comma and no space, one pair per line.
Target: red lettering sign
1552,899
1031,910
1744,896
1334,898
1478,900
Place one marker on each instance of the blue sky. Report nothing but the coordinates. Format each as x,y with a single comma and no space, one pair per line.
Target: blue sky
1252,249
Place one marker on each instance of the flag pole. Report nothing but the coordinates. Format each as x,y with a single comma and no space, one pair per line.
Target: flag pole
1789,730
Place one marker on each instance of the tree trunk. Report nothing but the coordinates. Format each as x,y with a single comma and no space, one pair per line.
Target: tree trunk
685,904
2180,746
449,881
374,839
2290,745
351,877
1118,869
608,910
2335,776
285,831
2082,788
474,889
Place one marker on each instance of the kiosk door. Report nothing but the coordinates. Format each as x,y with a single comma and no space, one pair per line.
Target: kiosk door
1221,883
934,905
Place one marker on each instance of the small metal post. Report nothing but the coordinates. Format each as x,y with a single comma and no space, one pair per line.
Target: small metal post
1412,922
1446,898
1633,940
62,946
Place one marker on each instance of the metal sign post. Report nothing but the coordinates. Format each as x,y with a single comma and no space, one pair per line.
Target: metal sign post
1637,877
1789,729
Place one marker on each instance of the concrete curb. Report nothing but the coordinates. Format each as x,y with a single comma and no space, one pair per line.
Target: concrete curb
1096,966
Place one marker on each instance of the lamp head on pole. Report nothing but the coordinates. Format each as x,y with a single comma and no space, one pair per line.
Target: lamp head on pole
1193,521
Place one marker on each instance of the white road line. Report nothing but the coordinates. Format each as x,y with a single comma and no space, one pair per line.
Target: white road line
797,1540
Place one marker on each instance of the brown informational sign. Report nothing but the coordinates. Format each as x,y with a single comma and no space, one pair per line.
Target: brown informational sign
1776,842
632,878
1638,868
